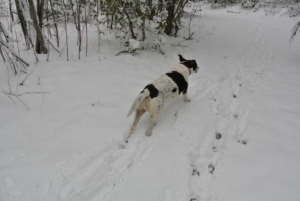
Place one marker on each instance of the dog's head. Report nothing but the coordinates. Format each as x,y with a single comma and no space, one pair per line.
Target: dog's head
191,64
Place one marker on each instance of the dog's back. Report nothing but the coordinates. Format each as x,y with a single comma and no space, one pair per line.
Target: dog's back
166,87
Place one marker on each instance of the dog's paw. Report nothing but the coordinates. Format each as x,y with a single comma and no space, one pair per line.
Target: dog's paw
148,132
187,100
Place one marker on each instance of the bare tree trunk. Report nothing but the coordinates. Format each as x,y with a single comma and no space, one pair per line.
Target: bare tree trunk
151,9
10,11
40,12
130,23
23,23
170,17
79,28
98,28
86,32
143,30
180,10
47,20
174,15
55,23
76,17
42,47
66,28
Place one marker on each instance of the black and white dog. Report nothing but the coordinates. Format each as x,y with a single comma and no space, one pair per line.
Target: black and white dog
166,87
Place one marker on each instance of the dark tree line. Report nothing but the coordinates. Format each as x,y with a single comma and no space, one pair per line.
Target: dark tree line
129,17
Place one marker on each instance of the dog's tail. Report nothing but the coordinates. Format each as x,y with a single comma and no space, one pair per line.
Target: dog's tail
138,100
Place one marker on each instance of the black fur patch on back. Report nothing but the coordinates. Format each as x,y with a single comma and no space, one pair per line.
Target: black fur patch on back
179,80
152,89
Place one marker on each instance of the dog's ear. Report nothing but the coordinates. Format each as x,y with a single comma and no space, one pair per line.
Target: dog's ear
181,58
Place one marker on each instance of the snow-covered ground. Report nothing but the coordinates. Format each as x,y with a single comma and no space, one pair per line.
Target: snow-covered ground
238,138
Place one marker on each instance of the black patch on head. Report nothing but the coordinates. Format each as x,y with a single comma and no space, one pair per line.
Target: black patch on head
152,89
174,90
191,64
181,59
179,80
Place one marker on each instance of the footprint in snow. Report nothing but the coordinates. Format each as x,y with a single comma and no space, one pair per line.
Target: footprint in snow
243,142
218,136
211,168
195,172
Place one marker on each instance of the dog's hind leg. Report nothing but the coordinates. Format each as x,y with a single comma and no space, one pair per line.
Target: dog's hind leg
154,118
138,114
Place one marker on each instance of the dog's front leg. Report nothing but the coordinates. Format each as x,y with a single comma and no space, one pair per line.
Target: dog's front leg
185,98
184,93
149,130
154,120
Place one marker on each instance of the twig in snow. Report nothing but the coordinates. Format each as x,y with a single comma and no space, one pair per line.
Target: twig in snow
43,100
160,51
98,103
178,45
22,102
124,52
9,94
12,100
25,93
233,12
22,83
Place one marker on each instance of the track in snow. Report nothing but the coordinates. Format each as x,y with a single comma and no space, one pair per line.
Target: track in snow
231,119
96,177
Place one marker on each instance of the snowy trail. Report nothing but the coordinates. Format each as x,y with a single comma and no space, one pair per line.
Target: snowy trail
99,175
77,153
109,174
223,97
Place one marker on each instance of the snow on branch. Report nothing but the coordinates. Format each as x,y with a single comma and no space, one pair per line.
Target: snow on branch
11,57
8,54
